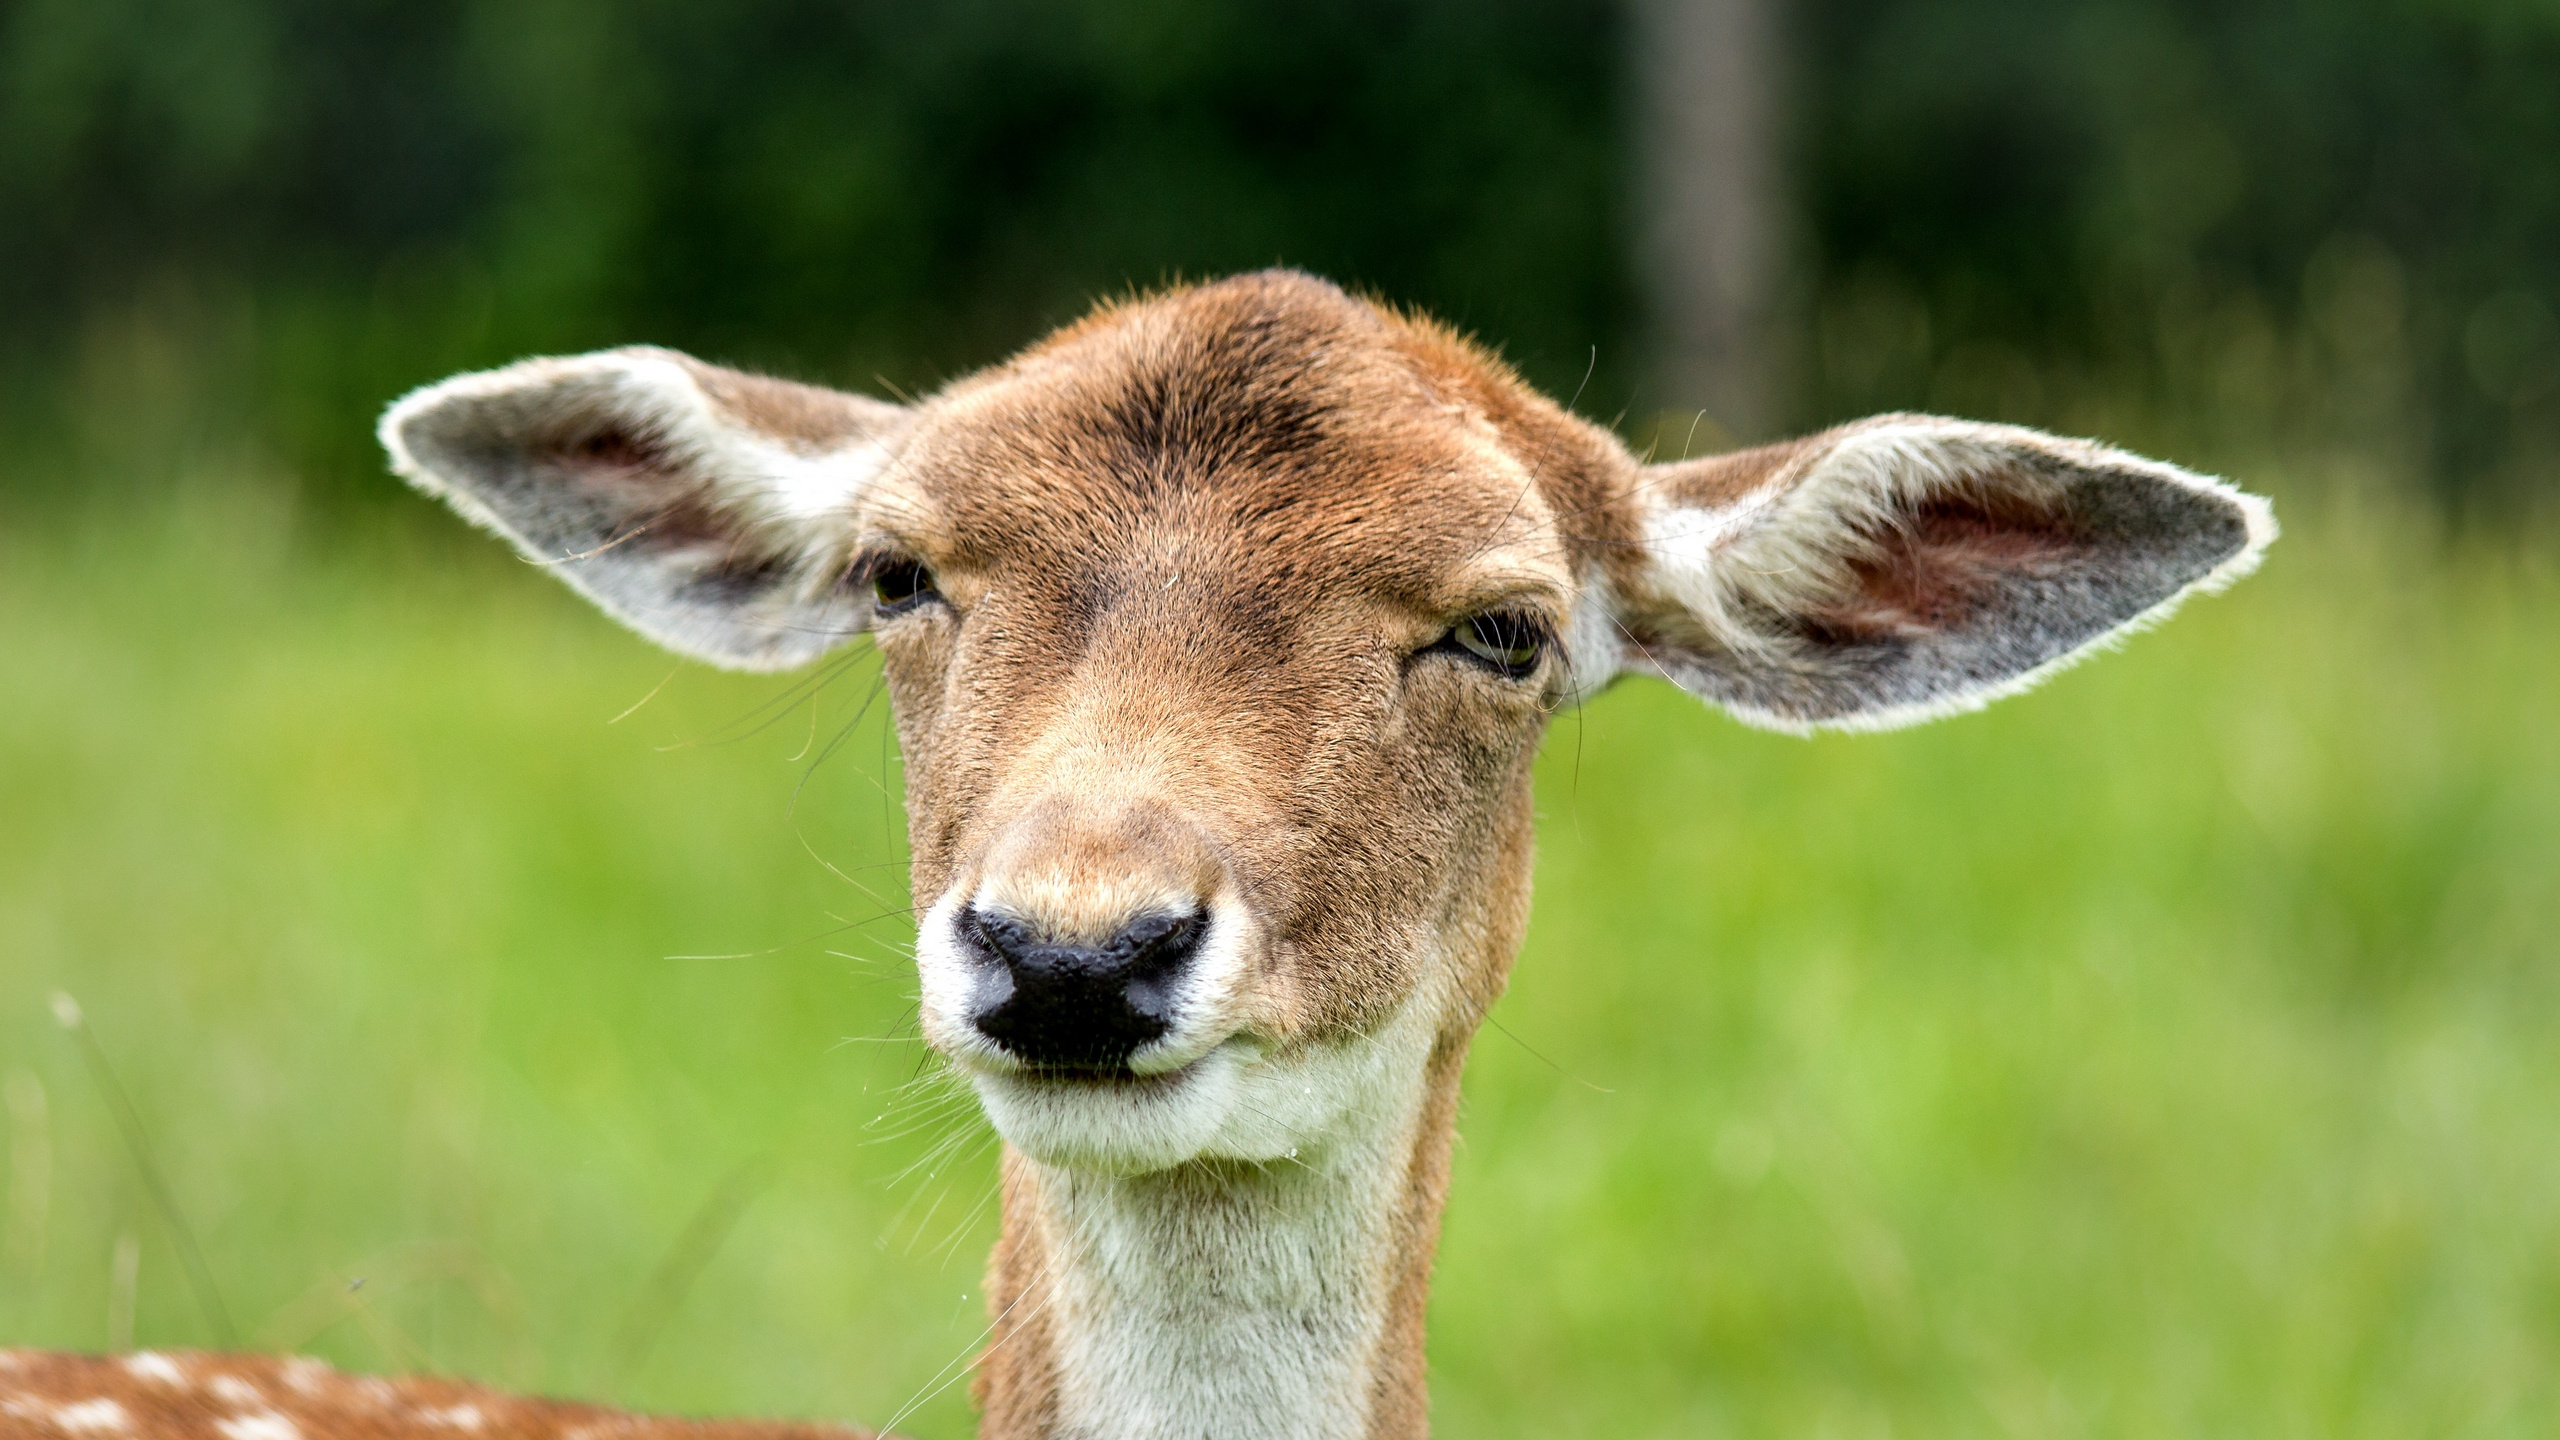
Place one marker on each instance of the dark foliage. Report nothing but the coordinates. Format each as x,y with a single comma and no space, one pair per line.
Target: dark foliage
324,201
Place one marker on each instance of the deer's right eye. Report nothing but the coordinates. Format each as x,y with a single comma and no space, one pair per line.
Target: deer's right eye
1510,645
900,586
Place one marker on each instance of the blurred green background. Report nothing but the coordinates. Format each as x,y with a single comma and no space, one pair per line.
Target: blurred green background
2169,1052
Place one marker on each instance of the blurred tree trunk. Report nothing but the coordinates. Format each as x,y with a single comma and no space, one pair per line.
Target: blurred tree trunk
1712,204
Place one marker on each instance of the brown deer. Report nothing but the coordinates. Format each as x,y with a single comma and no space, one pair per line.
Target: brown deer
1221,629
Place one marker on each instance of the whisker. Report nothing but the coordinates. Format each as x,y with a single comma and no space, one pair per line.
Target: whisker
879,686
732,731
645,699
950,1245
1047,1283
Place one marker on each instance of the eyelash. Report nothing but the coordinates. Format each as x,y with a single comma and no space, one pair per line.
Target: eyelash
1510,645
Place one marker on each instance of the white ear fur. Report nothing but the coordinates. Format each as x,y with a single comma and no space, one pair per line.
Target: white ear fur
707,509
1733,585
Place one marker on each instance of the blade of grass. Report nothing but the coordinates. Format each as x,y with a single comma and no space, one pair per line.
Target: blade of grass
67,1013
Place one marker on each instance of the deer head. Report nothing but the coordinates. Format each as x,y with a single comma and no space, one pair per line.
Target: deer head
1221,630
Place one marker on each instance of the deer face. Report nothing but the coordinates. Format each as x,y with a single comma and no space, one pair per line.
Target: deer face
1221,638
1222,629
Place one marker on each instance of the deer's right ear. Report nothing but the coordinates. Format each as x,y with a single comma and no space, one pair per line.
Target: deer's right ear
1908,567
708,509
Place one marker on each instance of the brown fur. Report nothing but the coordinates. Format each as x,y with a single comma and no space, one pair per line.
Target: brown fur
1209,601
807,417
1017,1382
1401,1399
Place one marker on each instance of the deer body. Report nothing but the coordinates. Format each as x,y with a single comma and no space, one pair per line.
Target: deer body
185,1395
1221,629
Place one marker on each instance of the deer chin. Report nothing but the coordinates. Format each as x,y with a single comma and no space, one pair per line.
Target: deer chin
1122,1124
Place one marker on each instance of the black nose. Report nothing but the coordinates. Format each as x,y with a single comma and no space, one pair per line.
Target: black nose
1078,1007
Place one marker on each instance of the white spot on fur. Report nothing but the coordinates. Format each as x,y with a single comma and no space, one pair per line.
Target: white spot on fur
305,1375
232,1390
153,1366
815,487
265,1425
456,1417
93,1417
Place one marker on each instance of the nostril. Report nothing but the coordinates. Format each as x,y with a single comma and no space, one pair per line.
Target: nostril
1072,1005
999,938
1157,949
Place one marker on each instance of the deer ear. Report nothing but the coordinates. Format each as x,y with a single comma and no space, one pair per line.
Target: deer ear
709,510
1908,567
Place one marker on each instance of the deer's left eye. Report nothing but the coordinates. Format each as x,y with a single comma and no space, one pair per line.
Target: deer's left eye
1512,644
899,585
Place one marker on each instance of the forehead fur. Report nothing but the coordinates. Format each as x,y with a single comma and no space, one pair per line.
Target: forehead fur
1273,412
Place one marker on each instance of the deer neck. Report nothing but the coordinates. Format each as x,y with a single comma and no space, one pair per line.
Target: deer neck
1243,1301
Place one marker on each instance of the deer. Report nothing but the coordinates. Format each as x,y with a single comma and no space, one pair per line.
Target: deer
1220,629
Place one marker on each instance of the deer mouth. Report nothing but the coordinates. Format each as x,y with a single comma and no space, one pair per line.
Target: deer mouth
1116,1120
1241,1101
1104,1080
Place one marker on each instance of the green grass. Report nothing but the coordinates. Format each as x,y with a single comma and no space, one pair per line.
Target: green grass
2175,1052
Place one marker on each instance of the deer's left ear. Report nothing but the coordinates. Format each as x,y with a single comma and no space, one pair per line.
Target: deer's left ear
709,509
1908,567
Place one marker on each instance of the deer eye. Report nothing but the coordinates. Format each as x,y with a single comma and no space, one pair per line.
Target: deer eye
898,586
1510,643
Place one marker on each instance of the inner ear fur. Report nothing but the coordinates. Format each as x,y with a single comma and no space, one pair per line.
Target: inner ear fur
1907,567
706,508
